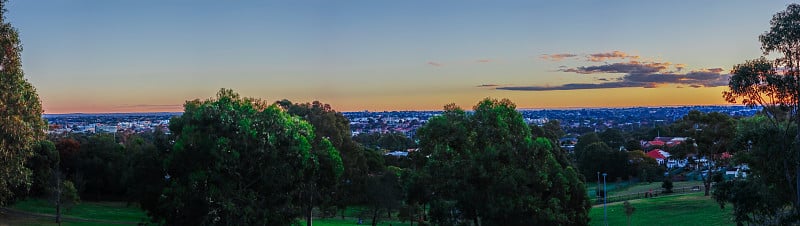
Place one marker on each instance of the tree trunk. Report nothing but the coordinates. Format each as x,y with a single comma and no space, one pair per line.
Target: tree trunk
375,217
707,180
797,161
308,215
310,206
58,198
797,188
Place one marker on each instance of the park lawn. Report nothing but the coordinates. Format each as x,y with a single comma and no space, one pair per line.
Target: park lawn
690,209
111,211
349,222
31,221
644,187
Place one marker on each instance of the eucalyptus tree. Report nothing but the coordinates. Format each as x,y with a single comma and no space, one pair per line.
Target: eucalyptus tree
21,123
775,86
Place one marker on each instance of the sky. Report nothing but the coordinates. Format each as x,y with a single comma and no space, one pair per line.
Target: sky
153,55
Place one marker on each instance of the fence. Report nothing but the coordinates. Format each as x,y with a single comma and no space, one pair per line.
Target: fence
647,194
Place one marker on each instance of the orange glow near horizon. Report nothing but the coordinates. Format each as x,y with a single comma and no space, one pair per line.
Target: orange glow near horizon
619,97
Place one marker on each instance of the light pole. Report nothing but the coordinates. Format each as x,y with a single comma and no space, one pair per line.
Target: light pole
597,188
605,212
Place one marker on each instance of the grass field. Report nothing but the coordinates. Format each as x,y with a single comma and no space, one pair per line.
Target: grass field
691,209
110,211
340,222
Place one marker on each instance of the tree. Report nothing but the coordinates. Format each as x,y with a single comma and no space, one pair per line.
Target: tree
767,190
712,134
613,138
144,172
486,168
584,141
332,125
20,113
775,85
43,164
241,161
383,193
667,184
598,157
629,209
645,167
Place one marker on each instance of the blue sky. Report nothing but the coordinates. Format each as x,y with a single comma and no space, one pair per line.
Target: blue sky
112,56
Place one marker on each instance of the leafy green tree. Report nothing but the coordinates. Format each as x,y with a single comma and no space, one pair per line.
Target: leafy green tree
388,141
775,85
486,168
712,134
144,173
384,193
752,202
241,161
551,130
633,145
20,113
767,190
645,167
101,164
613,138
44,162
598,157
667,184
584,141
332,125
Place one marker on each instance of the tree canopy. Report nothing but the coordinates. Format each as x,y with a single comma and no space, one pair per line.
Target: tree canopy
486,168
775,86
21,120
240,161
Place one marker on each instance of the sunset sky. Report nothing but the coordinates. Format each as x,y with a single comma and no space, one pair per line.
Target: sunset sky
125,56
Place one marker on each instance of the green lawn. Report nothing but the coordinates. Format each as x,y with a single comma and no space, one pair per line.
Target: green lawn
112,211
349,222
691,209
643,187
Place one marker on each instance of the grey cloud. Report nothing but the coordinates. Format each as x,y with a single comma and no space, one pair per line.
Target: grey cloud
625,67
557,56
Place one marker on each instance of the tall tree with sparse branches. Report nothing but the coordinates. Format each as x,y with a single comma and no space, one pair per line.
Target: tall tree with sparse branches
21,123
775,86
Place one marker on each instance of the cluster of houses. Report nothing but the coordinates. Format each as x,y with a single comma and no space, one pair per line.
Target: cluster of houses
663,157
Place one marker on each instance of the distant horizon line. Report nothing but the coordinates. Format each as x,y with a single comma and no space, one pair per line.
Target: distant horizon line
542,108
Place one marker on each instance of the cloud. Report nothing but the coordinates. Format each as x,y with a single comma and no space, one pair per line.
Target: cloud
693,79
680,67
435,64
557,56
483,61
599,57
487,85
624,67
715,70
572,86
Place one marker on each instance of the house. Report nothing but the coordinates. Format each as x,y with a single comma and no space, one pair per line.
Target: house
659,155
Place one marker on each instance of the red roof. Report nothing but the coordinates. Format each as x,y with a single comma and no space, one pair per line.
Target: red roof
655,143
656,154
